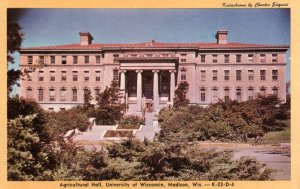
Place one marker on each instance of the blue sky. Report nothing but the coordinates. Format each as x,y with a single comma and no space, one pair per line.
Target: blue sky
61,26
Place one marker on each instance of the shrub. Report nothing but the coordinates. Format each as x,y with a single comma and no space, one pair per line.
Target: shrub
132,119
58,123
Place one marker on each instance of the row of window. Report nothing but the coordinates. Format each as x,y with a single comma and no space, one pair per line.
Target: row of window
63,59
238,93
238,75
86,76
250,58
62,94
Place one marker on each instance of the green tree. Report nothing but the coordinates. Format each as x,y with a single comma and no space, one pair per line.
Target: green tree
110,107
14,41
180,95
87,100
27,157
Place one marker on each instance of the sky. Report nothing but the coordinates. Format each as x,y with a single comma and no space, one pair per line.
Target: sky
43,27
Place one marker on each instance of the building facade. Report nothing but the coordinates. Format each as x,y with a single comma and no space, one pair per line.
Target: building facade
148,73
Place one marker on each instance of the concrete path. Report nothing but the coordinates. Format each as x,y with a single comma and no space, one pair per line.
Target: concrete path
151,127
96,134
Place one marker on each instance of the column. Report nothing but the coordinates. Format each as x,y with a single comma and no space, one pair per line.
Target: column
155,90
139,90
122,84
172,85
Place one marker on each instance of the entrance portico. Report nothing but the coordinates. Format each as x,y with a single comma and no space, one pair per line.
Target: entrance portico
148,88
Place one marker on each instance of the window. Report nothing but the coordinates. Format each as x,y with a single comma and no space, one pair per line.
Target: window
202,95
97,73
29,93
115,55
29,59
97,92
74,94
238,93
262,75
215,95
202,58
64,60
86,59
226,75
97,59
41,59
75,76
183,60
226,94
250,75
182,54
52,59
41,94
275,91
250,93
149,55
63,75
263,90
52,75
274,75
226,57
250,58
133,55
215,75
63,94
262,58
203,75
274,58
238,58
75,59
86,92
183,75
86,76
238,75
41,75
52,94
115,74
215,58
29,76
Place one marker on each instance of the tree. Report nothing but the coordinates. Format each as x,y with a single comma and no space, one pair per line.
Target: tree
180,95
87,100
14,41
27,156
110,107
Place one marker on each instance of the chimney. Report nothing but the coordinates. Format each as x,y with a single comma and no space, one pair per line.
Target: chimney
221,36
85,38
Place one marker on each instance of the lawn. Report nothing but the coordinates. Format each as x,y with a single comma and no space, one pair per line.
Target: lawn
113,133
128,126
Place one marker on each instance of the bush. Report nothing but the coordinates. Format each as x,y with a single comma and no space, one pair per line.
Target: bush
223,121
58,123
132,120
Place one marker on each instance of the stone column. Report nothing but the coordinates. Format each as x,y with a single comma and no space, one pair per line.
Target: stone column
155,90
122,84
139,90
172,85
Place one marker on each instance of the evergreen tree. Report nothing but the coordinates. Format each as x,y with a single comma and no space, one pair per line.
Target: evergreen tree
180,95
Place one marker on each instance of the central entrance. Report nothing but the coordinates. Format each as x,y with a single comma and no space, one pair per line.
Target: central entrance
147,85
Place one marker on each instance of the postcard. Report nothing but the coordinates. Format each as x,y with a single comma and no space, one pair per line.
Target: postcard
160,94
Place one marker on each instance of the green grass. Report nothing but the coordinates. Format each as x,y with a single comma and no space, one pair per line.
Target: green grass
128,126
113,133
277,137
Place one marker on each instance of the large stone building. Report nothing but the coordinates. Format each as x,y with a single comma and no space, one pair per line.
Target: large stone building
150,72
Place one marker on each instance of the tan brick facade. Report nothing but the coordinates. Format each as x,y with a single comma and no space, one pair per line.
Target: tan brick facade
149,72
